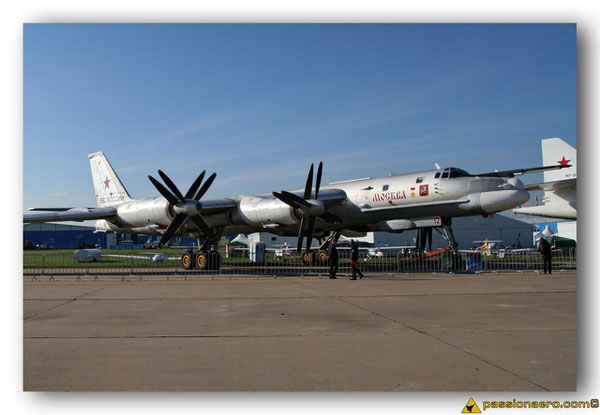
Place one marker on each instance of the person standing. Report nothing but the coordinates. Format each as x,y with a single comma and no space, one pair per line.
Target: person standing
354,260
546,251
332,253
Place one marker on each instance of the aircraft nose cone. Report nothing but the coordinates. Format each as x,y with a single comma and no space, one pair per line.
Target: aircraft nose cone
492,202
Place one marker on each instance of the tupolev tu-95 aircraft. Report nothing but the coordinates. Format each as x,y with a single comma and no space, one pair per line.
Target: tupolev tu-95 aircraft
395,203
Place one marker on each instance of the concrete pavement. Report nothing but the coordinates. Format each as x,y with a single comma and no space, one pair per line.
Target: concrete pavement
488,332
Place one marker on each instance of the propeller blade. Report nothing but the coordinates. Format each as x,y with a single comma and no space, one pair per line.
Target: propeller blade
194,187
163,191
170,185
309,179
312,221
205,186
318,182
286,200
173,227
330,217
294,198
202,225
300,235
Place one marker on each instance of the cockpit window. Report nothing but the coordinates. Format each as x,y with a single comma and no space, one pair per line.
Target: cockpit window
419,180
437,175
445,174
454,172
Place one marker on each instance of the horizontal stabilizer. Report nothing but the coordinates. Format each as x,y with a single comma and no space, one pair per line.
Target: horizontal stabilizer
556,185
52,209
559,211
79,214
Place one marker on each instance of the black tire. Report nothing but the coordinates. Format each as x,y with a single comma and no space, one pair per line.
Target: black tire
187,261
208,261
201,261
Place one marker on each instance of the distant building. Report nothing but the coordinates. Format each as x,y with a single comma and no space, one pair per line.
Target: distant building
58,236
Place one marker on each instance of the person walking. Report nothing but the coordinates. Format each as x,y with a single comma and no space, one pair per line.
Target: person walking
354,260
546,251
332,253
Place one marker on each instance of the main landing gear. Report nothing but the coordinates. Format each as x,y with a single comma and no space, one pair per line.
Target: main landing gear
201,260
206,257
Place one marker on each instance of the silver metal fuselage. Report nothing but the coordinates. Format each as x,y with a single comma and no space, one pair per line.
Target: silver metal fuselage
393,203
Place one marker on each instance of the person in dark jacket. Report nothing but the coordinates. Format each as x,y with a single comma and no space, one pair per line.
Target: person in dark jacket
546,251
332,253
354,260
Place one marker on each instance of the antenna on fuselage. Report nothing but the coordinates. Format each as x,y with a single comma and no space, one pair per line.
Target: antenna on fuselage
437,166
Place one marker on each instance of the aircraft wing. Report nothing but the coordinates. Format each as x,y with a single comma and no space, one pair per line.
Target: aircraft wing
519,172
555,185
326,195
74,214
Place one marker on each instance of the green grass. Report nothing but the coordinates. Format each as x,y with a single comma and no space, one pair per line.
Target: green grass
63,258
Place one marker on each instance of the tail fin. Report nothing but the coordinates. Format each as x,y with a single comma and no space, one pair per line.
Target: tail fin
108,188
555,150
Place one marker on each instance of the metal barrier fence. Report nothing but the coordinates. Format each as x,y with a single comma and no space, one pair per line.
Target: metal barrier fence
62,264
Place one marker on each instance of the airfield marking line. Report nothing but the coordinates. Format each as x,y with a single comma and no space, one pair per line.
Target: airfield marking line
424,332
69,301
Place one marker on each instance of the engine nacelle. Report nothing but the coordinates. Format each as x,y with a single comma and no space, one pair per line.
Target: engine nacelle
142,213
261,211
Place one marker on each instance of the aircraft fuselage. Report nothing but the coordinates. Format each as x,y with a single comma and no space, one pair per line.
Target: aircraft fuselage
393,203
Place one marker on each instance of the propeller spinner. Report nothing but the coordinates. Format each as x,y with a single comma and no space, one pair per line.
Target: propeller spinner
310,208
184,206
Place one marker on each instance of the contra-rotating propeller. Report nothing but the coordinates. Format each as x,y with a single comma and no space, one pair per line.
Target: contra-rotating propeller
184,206
309,207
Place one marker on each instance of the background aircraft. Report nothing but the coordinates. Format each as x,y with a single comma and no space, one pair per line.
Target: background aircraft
421,200
560,187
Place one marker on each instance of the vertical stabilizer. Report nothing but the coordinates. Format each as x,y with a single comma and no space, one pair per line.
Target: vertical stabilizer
556,151
108,188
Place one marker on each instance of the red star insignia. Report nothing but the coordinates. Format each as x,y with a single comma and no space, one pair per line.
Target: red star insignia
106,183
563,162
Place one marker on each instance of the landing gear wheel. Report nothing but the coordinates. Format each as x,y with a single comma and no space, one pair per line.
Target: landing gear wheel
306,258
187,261
201,261
323,257
208,261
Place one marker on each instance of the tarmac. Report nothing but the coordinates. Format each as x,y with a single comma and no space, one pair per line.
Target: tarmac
419,332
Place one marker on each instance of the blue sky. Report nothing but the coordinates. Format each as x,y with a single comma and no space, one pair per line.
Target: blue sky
259,103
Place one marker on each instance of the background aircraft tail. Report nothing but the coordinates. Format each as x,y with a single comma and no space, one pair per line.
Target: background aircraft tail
108,188
555,150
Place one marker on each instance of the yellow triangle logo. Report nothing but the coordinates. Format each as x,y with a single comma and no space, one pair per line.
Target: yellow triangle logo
471,408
